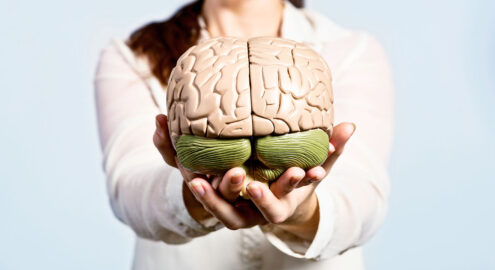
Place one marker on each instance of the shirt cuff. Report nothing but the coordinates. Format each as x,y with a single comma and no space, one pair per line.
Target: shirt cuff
187,224
300,248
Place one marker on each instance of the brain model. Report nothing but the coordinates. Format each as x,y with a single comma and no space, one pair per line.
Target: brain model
265,104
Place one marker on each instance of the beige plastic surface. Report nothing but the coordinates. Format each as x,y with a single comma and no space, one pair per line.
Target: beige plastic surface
225,87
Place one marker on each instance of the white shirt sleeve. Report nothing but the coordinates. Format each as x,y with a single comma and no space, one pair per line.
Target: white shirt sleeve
353,197
145,193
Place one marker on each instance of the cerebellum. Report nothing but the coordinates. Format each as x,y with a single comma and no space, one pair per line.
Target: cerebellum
212,156
304,149
272,154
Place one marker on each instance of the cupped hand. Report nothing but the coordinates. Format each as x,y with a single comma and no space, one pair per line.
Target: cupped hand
221,204
206,202
289,202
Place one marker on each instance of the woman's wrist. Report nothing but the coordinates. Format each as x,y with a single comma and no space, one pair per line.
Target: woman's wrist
305,220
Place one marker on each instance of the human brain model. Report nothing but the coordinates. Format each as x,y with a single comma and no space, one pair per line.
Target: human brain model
265,104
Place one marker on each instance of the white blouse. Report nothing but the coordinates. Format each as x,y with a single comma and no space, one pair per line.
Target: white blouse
146,194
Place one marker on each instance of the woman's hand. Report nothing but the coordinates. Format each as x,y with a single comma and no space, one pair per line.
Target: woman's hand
305,218
162,141
289,203
203,204
222,204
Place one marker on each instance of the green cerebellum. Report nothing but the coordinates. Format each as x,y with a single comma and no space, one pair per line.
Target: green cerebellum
261,172
274,154
304,149
212,156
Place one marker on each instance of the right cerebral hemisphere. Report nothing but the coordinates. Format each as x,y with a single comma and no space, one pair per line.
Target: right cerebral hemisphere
274,93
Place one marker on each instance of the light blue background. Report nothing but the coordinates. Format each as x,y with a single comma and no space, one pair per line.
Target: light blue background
54,212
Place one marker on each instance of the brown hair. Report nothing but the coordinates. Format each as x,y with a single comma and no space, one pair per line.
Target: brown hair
162,43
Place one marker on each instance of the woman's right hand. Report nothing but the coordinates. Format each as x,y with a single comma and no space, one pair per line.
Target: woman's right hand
240,216
162,141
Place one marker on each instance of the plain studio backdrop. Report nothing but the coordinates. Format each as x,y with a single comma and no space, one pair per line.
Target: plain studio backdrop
54,209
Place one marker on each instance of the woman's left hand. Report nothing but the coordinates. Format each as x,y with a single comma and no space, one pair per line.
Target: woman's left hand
289,203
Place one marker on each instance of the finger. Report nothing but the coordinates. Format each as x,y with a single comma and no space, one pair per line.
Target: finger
341,135
274,210
231,184
217,206
313,176
287,182
162,141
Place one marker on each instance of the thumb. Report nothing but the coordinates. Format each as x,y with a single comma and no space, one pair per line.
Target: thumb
162,141
340,136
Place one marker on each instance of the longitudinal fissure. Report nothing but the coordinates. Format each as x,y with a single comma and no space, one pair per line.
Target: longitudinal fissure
251,138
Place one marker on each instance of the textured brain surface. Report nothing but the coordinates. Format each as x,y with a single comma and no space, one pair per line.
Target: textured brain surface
229,88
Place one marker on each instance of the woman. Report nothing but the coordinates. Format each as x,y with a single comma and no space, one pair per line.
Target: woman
306,220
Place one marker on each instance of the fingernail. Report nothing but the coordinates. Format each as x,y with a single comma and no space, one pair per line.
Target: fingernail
197,188
354,126
331,147
253,191
237,178
159,129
